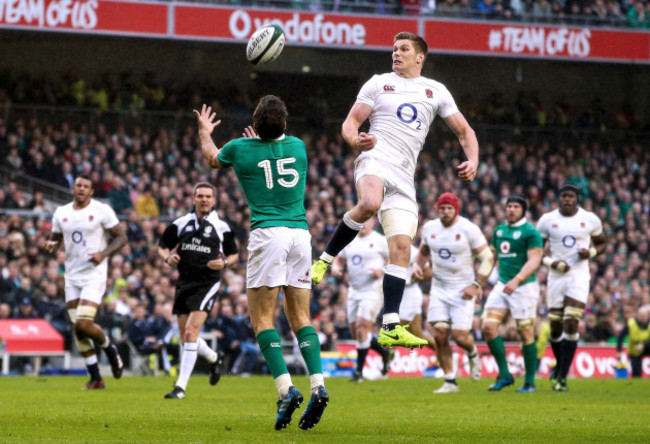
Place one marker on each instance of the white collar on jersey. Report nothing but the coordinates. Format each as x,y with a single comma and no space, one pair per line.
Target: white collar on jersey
519,223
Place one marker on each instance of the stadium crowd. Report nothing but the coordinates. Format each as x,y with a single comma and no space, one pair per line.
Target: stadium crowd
632,13
148,177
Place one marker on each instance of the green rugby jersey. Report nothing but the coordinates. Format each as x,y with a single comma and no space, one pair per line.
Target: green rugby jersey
512,243
273,174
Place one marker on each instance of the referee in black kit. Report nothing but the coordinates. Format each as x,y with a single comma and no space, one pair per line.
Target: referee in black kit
201,245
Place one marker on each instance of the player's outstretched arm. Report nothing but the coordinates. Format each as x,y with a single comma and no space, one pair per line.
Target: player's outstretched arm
206,120
467,138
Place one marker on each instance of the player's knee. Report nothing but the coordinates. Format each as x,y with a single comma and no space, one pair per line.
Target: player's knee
524,324
555,315
440,329
369,206
573,314
459,336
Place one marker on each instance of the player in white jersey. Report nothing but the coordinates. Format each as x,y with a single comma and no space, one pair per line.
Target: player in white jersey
365,258
84,226
401,107
452,244
410,310
574,237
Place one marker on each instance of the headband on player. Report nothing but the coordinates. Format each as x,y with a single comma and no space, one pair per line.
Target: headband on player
448,199
521,200
571,188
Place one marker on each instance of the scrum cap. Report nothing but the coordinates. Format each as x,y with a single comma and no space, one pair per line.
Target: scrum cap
521,200
448,199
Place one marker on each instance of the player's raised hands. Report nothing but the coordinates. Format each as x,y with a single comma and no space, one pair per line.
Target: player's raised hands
467,170
249,133
206,118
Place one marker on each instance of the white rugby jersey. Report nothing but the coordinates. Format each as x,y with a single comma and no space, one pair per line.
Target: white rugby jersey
84,232
403,110
566,235
452,261
363,255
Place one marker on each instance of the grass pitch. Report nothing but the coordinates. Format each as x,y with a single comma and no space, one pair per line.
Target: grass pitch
242,410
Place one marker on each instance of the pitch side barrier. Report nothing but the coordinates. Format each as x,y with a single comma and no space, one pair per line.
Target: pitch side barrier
591,361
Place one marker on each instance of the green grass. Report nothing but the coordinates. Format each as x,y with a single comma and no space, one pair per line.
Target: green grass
242,410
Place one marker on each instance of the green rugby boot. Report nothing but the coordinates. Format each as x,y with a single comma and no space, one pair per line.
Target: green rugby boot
400,336
318,270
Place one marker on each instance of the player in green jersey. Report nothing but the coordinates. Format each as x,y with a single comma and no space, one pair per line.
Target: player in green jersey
272,170
518,249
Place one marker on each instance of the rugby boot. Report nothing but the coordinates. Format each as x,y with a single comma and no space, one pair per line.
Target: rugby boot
318,270
501,383
315,408
400,336
286,407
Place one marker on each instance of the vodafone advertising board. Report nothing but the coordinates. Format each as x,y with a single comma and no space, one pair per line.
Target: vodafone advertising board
589,362
538,41
312,29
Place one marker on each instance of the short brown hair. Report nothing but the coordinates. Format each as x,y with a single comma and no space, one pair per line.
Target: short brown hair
205,185
420,44
270,117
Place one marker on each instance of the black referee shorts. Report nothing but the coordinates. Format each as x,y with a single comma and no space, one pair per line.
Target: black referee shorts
195,297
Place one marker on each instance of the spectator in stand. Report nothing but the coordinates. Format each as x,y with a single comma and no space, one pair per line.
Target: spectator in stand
637,16
146,205
637,331
145,339
119,196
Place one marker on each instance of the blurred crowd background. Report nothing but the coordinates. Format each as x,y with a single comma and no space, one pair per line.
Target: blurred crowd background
147,177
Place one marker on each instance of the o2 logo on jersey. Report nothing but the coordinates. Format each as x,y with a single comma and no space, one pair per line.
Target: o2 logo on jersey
407,117
77,237
505,247
356,259
444,253
569,241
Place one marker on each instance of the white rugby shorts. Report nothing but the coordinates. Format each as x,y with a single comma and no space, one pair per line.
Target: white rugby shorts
522,303
93,291
399,189
448,305
364,304
279,256
561,285
411,305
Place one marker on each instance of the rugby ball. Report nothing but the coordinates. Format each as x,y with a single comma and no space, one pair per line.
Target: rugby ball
265,45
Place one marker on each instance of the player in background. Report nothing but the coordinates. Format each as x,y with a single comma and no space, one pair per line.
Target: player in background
574,236
365,258
452,244
401,107
84,225
518,248
201,246
410,310
272,170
